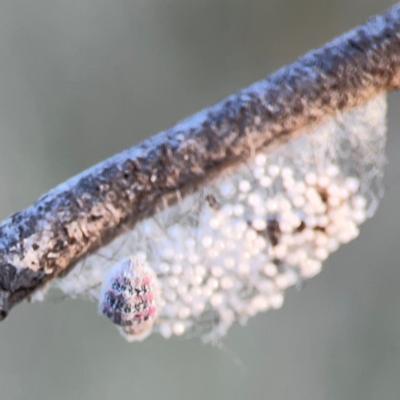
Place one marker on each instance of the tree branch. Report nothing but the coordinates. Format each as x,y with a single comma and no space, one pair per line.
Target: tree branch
79,216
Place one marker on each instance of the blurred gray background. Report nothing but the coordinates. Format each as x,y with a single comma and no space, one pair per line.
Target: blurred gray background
81,80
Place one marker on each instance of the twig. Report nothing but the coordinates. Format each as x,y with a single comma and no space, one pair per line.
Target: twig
79,216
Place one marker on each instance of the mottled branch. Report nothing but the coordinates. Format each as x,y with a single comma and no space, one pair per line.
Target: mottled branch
79,216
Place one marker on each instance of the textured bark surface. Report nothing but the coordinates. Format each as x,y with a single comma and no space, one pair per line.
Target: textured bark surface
91,209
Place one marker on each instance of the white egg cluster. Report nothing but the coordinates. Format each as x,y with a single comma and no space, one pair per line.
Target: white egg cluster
230,251
249,248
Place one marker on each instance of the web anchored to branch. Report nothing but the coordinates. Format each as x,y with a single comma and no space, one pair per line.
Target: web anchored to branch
227,209
231,249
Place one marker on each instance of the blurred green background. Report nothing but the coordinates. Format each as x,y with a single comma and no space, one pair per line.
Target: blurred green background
81,80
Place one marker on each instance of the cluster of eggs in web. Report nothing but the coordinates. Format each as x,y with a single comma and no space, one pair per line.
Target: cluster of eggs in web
258,233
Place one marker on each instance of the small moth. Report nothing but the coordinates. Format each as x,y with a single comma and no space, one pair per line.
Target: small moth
130,298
